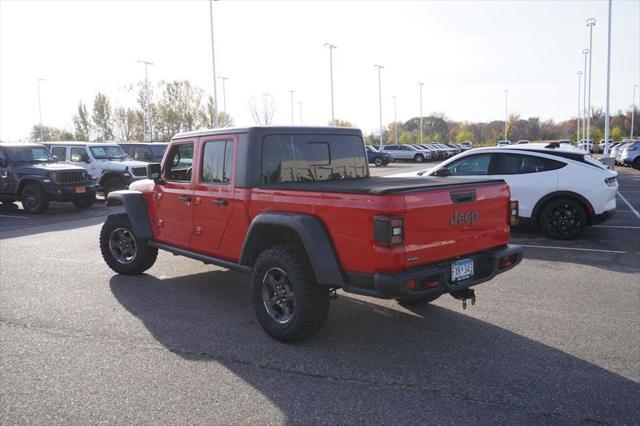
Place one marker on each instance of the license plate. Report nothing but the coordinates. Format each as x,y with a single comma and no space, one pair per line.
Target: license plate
461,269
80,189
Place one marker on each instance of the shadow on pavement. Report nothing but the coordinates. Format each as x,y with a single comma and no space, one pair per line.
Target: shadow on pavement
431,352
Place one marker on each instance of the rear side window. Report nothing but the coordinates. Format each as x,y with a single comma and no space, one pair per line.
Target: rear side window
77,154
179,165
217,162
515,164
471,165
308,158
60,152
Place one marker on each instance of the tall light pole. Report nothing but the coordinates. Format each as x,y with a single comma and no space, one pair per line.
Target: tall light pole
585,52
40,108
506,113
395,117
331,47
380,67
148,132
291,92
300,112
590,23
606,113
633,109
224,93
420,84
213,60
578,117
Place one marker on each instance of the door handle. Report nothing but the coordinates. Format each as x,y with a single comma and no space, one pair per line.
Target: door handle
185,199
220,202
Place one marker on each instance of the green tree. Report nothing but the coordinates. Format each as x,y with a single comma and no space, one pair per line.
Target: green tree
102,118
617,134
128,124
81,123
46,133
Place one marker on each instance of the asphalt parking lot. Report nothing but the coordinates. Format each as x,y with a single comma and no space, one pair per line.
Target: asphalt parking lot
556,340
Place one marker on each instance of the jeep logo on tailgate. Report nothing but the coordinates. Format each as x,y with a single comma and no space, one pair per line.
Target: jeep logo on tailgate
463,218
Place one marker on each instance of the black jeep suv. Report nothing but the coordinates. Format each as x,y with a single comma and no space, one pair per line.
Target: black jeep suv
29,173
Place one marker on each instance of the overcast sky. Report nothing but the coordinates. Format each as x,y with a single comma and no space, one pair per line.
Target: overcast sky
466,53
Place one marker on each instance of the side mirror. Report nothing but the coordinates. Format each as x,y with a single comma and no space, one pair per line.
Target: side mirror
154,171
442,172
85,158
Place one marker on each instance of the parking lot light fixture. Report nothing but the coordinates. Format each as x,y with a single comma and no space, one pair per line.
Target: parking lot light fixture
578,116
633,110
606,114
590,23
380,67
420,84
291,92
148,133
300,112
224,93
40,80
585,52
331,47
395,117
213,61
506,113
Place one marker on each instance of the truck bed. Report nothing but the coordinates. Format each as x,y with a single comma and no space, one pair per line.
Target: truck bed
376,185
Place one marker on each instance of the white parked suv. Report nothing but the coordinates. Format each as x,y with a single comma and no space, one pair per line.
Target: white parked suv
406,152
105,161
558,191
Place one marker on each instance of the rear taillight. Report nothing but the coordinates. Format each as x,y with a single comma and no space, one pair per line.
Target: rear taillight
513,212
388,230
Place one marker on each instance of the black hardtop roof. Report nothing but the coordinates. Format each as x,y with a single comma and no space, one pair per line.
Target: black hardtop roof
272,130
141,143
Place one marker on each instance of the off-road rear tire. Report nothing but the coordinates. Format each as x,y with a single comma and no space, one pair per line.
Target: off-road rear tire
416,301
305,298
34,199
122,250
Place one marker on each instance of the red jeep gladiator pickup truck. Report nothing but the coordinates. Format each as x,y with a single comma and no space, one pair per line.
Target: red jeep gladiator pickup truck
296,209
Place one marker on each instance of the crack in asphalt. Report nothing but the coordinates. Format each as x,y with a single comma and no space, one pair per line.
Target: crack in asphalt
194,355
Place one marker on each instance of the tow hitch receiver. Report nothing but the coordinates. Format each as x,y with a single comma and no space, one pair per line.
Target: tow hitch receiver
464,295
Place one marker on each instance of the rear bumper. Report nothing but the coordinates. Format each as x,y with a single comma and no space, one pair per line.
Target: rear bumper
436,278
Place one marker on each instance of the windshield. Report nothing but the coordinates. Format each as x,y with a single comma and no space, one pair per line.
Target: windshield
29,154
108,152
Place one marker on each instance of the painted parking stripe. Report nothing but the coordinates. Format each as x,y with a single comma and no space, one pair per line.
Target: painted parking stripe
573,248
13,217
630,206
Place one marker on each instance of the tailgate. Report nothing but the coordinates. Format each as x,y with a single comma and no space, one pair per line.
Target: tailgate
448,223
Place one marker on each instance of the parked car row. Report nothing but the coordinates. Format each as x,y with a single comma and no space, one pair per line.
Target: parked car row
559,191
627,154
36,174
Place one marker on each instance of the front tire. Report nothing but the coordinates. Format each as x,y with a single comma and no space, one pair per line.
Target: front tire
636,163
34,199
122,250
113,184
418,158
288,302
86,201
378,162
562,219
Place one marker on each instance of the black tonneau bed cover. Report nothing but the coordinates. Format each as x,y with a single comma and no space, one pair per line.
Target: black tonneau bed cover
380,185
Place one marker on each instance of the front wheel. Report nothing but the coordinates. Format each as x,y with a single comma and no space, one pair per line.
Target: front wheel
113,184
288,302
418,158
34,199
122,250
636,163
85,201
378,162
563,219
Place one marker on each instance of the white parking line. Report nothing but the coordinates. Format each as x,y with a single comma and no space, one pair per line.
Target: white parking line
13,217
616,226
573,248
630,206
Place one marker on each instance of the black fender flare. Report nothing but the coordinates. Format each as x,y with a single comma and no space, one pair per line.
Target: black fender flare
108,174
136,208
314,237
561,194
35,178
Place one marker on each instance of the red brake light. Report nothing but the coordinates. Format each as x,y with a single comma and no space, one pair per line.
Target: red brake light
388,230
513,212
